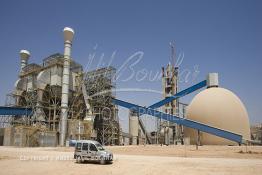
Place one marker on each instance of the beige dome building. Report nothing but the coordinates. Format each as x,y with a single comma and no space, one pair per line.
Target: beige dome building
217,107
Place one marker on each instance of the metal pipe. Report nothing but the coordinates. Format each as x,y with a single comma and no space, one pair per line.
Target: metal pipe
68,37
24,55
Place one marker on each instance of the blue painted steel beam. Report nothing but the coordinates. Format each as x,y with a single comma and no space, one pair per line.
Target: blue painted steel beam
15,111
179,94
185,122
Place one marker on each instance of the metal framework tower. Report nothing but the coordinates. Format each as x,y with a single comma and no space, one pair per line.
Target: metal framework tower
167,132
169,85
100,86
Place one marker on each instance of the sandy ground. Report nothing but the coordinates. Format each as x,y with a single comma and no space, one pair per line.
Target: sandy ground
135,160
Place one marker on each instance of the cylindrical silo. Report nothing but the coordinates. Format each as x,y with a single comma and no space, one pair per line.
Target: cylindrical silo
133,127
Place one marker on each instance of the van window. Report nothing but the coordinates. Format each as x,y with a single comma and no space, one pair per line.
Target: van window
99,147
85,146
92,147
78,146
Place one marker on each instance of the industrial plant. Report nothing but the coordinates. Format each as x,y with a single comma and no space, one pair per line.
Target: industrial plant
130,87
65,102
57,102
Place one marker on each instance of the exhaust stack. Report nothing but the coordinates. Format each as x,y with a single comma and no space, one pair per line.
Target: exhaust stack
24,55
68,37
212,80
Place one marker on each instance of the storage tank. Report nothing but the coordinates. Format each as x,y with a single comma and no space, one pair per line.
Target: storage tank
133,127
221,108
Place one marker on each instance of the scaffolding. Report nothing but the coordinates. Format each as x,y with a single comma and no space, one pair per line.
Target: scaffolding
100,86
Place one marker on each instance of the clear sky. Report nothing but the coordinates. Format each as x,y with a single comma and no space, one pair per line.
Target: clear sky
223,36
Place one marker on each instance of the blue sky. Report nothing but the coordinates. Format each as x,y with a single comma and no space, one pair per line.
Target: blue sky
223,36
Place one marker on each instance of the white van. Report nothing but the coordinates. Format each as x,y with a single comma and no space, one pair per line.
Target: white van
91,150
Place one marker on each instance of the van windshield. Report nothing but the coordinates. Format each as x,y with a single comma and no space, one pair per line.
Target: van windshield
99,147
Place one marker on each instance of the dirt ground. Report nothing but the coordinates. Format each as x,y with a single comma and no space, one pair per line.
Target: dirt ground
148,160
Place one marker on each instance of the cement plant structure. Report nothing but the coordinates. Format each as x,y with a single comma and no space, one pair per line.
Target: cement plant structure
70,104
168,131
67,102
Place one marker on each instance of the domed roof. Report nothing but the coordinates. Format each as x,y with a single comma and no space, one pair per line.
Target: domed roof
217,107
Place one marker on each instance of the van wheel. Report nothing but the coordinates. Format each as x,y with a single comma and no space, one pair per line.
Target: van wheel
78,159
102,161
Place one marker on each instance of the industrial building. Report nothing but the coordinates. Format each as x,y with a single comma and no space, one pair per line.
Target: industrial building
57,102
168,131
67,102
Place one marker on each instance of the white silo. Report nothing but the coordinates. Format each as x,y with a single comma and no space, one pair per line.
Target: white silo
133,127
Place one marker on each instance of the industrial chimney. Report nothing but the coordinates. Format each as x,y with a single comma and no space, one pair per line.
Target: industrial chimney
212,80
24,55
68,37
